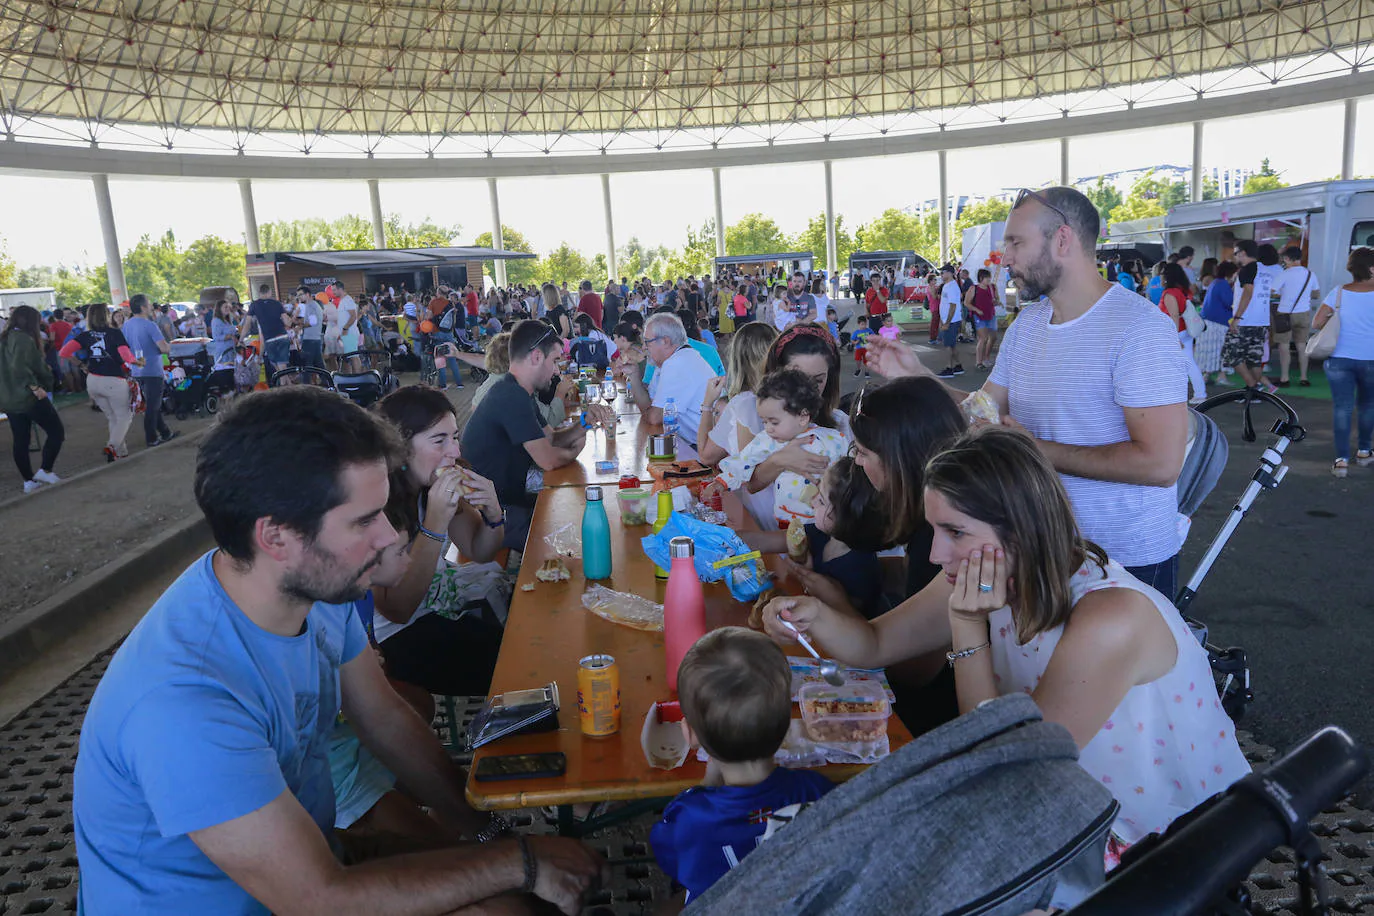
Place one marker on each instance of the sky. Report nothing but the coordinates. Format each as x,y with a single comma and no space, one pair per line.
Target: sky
53,220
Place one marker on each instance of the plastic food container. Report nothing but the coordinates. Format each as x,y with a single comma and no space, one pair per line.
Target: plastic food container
634,505
845,714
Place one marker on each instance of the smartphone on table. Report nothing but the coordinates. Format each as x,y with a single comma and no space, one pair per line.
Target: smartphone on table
521,766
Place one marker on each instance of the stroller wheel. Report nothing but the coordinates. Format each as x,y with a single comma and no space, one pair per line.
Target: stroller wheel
211,404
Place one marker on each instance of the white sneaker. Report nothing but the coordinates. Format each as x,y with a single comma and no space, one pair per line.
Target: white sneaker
47,477
32,486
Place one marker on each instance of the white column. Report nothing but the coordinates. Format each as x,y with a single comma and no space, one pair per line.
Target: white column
720,215
1196,188
1348,144
250,216
944,210
113,264
610,225
374,193
1065,180
496,241
830,250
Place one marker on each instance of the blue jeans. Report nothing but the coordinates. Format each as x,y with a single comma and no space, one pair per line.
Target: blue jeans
1162,576
451,365
312,352
1348,376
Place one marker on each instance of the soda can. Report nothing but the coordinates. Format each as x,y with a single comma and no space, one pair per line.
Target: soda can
598,695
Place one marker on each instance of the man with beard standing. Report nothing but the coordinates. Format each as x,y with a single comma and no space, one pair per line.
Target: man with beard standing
802,303
1095,374
203,783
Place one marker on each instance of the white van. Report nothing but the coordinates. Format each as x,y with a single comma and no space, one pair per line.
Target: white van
1326,219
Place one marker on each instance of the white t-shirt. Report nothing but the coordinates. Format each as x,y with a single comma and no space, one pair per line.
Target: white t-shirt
1069,383
1291,285
348,311
1257,309
951,298
1357,324
742,410
683,377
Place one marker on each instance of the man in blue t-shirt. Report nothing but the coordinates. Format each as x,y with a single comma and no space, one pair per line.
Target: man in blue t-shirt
270,316
203,782
148,343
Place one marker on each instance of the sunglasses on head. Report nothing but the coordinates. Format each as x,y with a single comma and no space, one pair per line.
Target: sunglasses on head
1041,200
540,342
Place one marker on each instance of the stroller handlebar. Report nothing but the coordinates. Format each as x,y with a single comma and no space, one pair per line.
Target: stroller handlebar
1245,395
1213,850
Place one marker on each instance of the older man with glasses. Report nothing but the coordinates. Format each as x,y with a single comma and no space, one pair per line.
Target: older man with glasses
681,376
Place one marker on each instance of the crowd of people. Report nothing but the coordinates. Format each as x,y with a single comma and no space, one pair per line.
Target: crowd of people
260,742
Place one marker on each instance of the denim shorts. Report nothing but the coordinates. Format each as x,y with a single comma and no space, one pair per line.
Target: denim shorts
988,325
950,336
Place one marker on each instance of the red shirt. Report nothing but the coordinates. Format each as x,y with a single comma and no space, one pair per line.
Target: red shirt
58,331
741,304
471,303
1178,304
876,297
590,304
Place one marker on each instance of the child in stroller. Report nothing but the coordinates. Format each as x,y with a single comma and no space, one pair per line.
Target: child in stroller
194,382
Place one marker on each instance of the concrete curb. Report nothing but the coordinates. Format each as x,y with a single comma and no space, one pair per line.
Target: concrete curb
36,629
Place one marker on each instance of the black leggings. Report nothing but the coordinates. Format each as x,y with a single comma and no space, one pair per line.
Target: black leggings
447,657
44,416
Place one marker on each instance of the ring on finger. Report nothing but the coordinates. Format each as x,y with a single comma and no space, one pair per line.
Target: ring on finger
984,587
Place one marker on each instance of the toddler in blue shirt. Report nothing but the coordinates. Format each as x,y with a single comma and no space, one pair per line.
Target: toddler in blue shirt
736,693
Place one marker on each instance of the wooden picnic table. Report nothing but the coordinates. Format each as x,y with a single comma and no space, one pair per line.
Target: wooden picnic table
628,447
548,632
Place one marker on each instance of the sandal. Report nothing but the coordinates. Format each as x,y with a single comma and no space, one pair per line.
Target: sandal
1340,468
1364,458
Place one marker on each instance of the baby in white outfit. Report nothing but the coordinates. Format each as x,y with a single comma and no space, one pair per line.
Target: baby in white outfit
787,403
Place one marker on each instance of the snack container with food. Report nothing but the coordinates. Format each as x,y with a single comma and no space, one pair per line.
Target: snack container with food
634,505
845,714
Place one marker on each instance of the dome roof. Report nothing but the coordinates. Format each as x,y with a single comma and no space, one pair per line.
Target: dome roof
432,70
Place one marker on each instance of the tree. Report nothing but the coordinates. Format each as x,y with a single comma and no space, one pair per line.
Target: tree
564,263
1266,179
9,271
211,261
812,239
992,210
521,270
351,233
76,286
894,230
598,271
424,234
153,268
1211,190
1150,196
635,260
755,234
694,259
1105,198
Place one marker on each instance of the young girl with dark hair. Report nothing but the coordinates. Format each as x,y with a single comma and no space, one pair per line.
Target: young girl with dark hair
429,625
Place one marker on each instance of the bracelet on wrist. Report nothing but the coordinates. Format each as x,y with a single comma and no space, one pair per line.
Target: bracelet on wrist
530,864
432,535
953,657
496,524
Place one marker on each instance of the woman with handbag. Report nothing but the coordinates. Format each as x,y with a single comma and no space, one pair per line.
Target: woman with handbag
1345,323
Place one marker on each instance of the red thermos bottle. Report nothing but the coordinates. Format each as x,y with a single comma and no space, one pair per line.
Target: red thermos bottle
684,607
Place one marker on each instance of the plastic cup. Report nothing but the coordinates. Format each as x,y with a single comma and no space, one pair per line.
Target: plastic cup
634,505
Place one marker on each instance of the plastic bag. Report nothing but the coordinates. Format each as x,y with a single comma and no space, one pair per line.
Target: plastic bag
746,580
633,611
566,541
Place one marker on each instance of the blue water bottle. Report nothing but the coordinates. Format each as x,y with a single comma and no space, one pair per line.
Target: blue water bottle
596,537
670,423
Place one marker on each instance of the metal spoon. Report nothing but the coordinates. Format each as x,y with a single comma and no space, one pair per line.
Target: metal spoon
829,669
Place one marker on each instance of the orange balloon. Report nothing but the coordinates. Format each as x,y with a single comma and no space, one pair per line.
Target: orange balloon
427,326
260,386
321,298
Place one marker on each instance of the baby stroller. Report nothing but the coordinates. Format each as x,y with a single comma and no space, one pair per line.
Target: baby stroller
247,369
194,383
360,383
1202,467
378,361
302,375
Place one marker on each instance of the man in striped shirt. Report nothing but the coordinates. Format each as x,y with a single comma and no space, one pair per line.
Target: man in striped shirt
1095,374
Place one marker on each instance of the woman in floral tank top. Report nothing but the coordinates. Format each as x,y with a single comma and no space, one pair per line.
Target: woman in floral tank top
1033,607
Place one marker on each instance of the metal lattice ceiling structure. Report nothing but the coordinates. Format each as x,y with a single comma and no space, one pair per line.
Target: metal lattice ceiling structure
496,77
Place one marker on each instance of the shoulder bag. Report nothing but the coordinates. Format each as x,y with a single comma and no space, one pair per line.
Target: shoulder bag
1322,344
